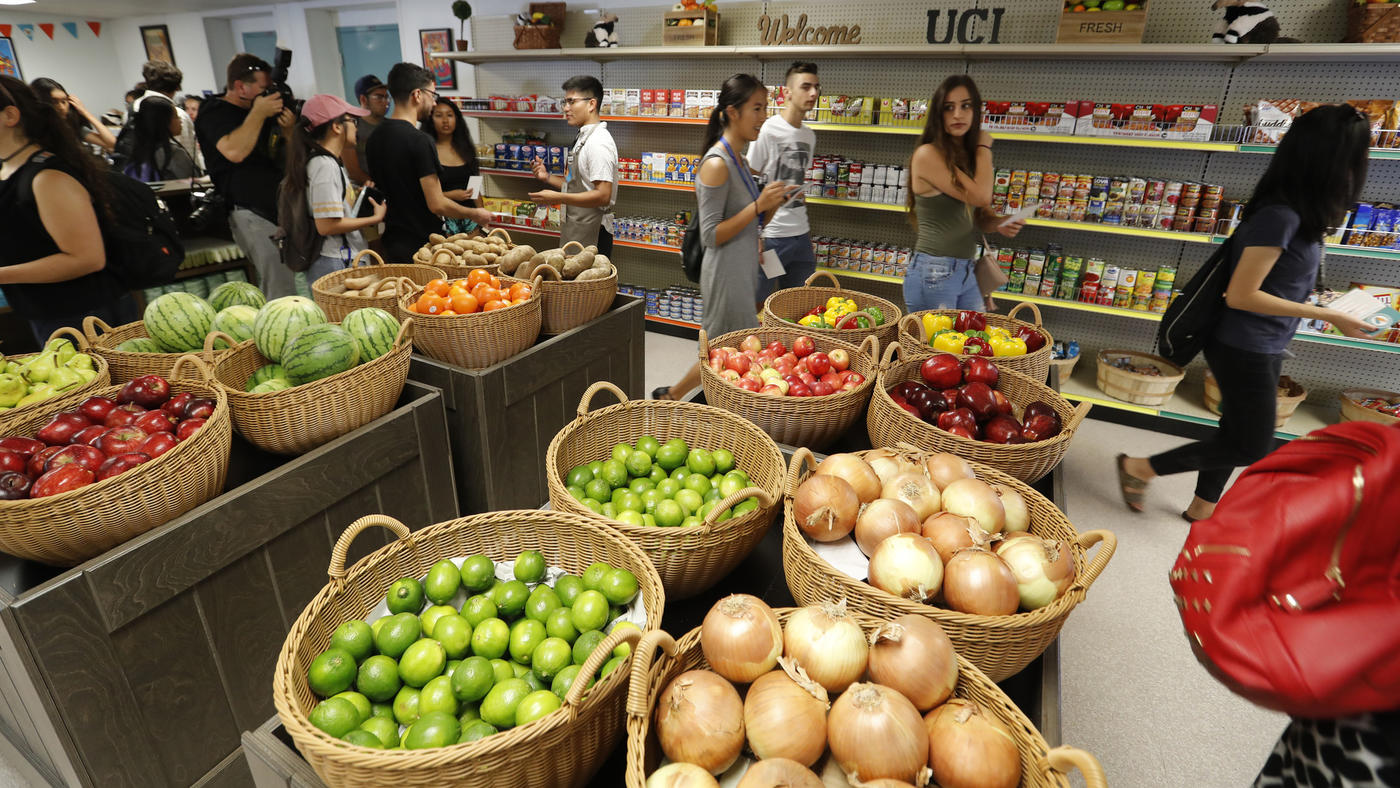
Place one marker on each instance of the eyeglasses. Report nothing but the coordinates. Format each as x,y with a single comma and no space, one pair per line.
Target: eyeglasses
569,102
432,93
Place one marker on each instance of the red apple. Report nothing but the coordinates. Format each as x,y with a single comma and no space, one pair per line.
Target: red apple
86,456
771,389
738,362
980,370
61,480
176,404
951,397
119,418
968,320
188,427
784,366
907,388
749,384
158,444
977,397
87,435
765,357
1041,426
26,447
821,389
1037,407
957,417
729,376
791,358
61,428
911,410
807,378
832,379
929,402
803,346
717,358
96,408
799,390
148,391
840,359
1003,404
121,464
776,347
155,421
1003,429
1033,338
942,371
751,342
14,486
35,468
12,461
819,363
121,440
964,431
199,408
751,355
853,380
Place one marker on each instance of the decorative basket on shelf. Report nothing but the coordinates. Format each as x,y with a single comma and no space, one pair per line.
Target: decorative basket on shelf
1353,410
329,291
1373,23
1290,395
1035,365
480,339
783,308
544,35
1137,388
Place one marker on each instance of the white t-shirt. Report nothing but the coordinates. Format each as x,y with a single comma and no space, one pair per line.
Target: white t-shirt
784,153
330,195
597,161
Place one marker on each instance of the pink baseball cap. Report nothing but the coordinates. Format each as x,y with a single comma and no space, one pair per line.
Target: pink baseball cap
324,108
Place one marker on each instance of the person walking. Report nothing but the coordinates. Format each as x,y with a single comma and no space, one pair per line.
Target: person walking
783,152
163,80
589,185
457,160
373,96
1313,179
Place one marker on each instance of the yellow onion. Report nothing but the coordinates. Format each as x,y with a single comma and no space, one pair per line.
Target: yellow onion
825,507
944,468
1018,515
700,720
828,644
913,656
875,732
779,773
833,777
881,518
977,581
907,566
856,472
741,638
681,775
784,719
916,489
887,464
950,533
976,499
968,748
1043,569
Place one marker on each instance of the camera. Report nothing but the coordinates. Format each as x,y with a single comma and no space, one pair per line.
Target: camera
208,211
281,64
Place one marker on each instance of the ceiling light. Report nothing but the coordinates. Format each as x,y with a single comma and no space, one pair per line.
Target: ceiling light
15,2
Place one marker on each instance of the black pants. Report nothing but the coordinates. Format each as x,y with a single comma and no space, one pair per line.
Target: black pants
605,242
117,312
1248,404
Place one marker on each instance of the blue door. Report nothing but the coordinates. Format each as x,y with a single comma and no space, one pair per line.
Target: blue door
262,43
366,49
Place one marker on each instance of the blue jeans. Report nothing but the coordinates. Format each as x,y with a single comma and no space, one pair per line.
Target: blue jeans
799,262
321,266
941,283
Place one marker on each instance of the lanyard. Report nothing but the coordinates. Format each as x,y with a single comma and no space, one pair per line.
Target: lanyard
745,177
574,152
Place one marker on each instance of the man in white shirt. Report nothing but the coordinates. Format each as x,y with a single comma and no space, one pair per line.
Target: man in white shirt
783,152
163,81
588,188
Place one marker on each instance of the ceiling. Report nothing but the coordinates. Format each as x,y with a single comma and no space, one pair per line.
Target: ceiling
110,9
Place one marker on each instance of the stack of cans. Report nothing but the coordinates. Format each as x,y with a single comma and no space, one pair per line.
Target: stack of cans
862,256
1126,201
836,178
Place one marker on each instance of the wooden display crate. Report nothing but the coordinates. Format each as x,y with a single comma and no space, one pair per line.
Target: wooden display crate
1102,27
502,418
143,666
703,29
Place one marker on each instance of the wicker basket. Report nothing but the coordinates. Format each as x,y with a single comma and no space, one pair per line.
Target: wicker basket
1291,395
1034,365
569,304
1135,388
1065,366
298,419
1351,411
123,365
795,421
797,301
337,305
73,396
689,560
564,748
891,425
1000,646
1374,23
72,527
1041,766
478,340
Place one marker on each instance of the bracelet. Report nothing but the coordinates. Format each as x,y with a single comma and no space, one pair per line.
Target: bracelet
984,145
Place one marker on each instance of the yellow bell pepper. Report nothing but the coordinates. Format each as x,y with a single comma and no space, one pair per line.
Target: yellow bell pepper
935,323
949,342
809,320
1007,346
834,301
998,331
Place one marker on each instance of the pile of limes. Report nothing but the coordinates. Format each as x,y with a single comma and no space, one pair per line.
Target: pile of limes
660,484
419,678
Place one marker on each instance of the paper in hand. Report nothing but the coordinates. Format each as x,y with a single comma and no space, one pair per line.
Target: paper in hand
474,186
1026,212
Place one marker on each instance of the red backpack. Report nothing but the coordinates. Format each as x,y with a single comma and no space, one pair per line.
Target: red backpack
1290,593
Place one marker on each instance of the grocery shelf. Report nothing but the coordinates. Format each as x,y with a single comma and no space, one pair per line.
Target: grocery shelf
871,206
663,248
675,187
520,228
864,128
1118,229
1078,306
670,322
1336,53
507,173
1118,142
863,275
241,264
1360,251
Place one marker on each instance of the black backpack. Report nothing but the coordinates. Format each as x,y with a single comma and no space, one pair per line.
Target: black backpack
1191,318
297,240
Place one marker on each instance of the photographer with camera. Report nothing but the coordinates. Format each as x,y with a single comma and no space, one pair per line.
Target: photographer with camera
243,132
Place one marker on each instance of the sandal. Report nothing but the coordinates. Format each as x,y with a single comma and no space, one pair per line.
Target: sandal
1188,518
661,392
1132,488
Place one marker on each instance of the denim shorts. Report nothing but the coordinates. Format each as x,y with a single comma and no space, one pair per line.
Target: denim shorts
941,283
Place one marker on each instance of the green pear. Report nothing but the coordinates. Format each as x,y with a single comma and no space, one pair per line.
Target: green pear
62,348
80,361
12,389
64,378
85,374
12,367
37,393
38,369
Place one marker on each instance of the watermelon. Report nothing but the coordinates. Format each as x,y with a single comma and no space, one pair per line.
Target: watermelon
282,318
140,345
263,375
179,321
270,385
231,293
237,322
374,330
318,352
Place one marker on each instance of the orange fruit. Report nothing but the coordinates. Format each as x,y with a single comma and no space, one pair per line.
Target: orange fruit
448,313
477,276
485,292
496,283
492,306
518,291
430,304
463,303
437,287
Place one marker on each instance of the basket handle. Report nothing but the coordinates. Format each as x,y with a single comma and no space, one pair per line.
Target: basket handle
1035,310
836,283
917,330
586,401
535,286
853,315
799,457
1081,412
336,570
69,332
553,274
601,653
643,657
200,366
874,343
704,340
566,246
763,496
451,258
1066,759
405,335
377,259
93,327
502,231
888,357
1107,544
213,336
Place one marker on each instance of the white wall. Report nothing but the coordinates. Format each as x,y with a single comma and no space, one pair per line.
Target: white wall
82,65
251,24
188,40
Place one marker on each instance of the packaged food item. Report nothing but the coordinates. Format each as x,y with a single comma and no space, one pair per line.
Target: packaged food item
1016,282
1145,281
677,103
1035,263
1107,285
1377,113
632,102
1021,260
1032,285
1070,274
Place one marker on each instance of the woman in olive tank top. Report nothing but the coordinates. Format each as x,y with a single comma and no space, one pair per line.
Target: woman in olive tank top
950,198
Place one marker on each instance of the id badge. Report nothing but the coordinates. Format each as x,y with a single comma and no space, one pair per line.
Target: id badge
772,266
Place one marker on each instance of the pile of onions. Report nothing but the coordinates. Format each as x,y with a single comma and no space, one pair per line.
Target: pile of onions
876,732
915,489
887,464
970,749
976,499
700,720
856,472
914,656
950,533
882,518
681,775
828,644
976,581
825,507
833,777
1018,516
907,566
784,719
741,638
944,468
779,773
1043,569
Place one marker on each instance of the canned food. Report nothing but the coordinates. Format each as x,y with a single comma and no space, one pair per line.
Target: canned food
1137,190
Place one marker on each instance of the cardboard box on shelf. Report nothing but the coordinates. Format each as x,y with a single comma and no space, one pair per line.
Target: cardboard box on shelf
1031,117
1186,122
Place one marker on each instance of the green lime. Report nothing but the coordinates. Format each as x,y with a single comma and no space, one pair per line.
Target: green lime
511,599
650,500
361,738
590,611
451,664
498,707
405,596
700,461
593,506
477,609
691,522
610,666
621,451
576,492
669,514
422,662
397,635
615,612
533,679
724,460
658,474
333,671
529,566
503,670
730,485
437,695
406,706
568,588
560,624
429,618
598,490
668,488
609,510
518,670
623,649
745,506
641,484
473,679
595,466
524,637
564,680
690,500
378,678
680,474
638,463
648,444
384,729
468,712
478,573
355,637
713,495
436,729
455,635
593,576
698,483
672,454
578,476
705,509
385,710
619,495
336,716
716,478
739,475
550,657
614,473
542,601
378,624
724,514
648,521
476,730
361,703
490,638
630,517
585,645
620,586
536,705
443,581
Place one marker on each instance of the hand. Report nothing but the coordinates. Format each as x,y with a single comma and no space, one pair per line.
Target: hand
546,197
482,217
381,209
77,103
457,195
538,168
1350,326
469,194
1011,230
286,119
267,106
772,196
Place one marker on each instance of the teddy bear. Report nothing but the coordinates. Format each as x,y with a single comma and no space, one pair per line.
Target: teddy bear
603,33
1247,22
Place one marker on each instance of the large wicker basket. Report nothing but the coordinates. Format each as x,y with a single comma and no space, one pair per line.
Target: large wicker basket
568,305
298,419
891,425
1373,23
689,560
564,748
74,395
448,262
796,421
783,308
1133,387
1001,646
328,290
1034,365
1290,395
477,340
1041,766
123,365
72,527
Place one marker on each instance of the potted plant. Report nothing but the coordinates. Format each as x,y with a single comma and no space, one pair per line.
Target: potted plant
463,11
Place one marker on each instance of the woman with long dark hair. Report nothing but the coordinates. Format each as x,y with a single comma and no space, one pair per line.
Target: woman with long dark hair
85,127
51,193
950,198
1314,178
156,153
732,211
457,160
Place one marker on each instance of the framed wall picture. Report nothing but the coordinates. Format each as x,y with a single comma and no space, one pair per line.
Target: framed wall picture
9,62
444,71
157,41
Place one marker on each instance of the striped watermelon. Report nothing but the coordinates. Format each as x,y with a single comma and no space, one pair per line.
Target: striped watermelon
237,322
282,318
374,330
270,385
318,352
263,375
179,321
140,345
230,293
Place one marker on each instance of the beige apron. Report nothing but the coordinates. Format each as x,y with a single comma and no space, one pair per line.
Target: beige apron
580,224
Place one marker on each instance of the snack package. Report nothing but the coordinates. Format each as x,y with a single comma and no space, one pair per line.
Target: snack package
1378,113
632,102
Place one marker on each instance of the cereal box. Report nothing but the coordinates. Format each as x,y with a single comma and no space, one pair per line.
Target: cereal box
678,103
660,102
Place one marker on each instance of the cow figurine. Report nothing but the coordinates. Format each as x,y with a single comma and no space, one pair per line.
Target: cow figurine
1247,22
603,33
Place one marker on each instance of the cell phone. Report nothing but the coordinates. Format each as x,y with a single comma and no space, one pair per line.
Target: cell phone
362,206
